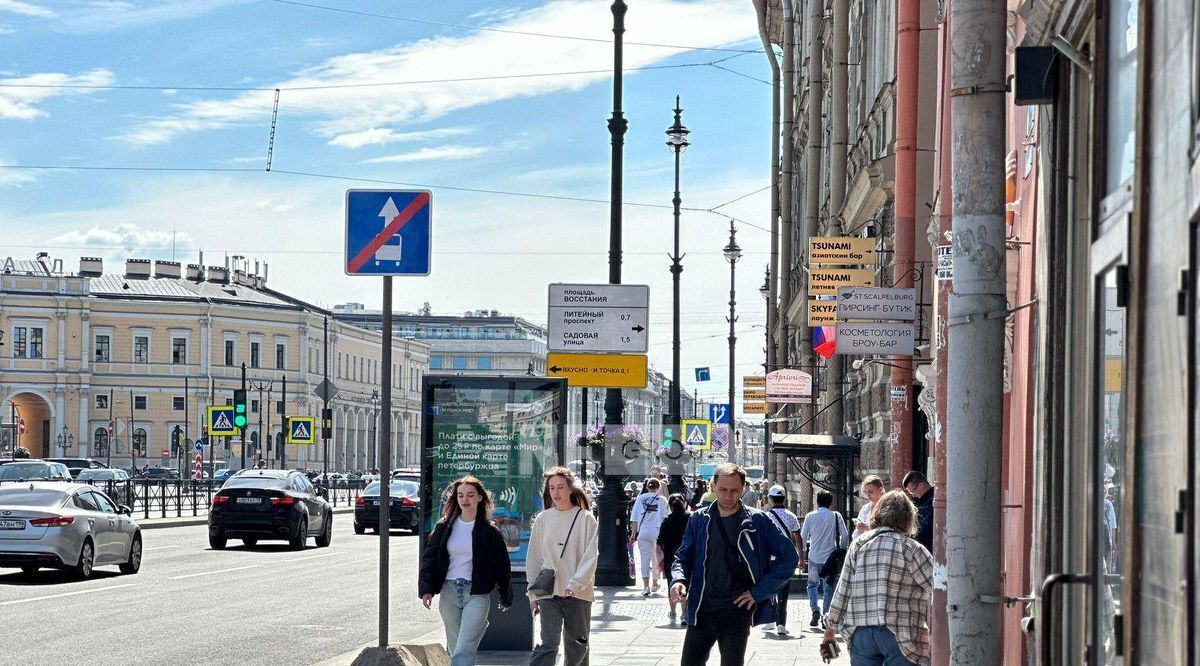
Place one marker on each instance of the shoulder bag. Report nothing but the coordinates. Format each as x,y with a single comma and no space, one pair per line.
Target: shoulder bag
832,567
544,583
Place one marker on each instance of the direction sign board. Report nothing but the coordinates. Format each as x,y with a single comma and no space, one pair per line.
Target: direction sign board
388,232
604,318
890,339
750,381
754,408
720,436
822,313
754,394
840,251
697,433
599,370
825,281
302,430
877,303
718,412
220,420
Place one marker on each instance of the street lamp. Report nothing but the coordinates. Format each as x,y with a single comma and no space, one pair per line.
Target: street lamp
371,461
677,141
64,440
732,254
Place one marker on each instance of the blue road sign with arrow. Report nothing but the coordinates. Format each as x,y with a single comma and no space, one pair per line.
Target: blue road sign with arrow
718,412
388,232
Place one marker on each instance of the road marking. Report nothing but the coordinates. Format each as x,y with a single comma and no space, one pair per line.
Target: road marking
210,573
64,594
158,548
311,557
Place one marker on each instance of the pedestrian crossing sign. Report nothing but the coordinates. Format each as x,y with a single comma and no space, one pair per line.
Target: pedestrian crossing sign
220,421
301,429
697,433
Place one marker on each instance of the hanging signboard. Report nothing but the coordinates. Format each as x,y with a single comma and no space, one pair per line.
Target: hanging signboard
822,313
751,381
840,251
876,304
604,318
886,339
754,394
754,408
789,386
825,281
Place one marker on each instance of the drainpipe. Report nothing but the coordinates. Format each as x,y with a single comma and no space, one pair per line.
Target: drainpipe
837,176
812,177
787,262
908,60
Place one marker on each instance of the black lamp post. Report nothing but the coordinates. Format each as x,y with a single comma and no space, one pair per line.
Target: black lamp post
613,564
677,141
732,254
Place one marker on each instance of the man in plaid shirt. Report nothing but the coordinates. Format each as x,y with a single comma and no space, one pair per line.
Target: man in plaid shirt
883,596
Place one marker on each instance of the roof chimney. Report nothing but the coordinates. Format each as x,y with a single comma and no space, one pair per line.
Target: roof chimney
91,266
195,272
137,269
218,274
166,269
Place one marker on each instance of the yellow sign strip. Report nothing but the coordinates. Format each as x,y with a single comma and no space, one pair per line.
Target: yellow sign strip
840,251
754,408
599,370
822,313
825,281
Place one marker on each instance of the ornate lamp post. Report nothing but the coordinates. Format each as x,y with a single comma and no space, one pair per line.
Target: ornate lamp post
732,254
677,141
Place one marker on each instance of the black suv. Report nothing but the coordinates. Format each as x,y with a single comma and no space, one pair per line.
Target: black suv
78,464
257,504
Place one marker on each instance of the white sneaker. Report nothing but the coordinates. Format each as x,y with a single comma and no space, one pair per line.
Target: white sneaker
781,630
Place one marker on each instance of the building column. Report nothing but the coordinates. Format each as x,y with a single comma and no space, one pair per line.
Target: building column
60,417
205,344
84,436
303,353
61,315
85,359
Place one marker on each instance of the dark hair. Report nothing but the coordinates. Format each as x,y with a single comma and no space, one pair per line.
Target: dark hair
728,468
677,503
453,510
824,498
578,497
777,500
652,484
913,477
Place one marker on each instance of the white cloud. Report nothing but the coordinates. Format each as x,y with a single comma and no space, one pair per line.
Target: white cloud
21,103
25,8
127,236
105,15
426,154
16,177
273,206
347,111
379,136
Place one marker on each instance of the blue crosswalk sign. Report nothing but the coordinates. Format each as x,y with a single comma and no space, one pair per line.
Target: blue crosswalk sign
697,433
388,232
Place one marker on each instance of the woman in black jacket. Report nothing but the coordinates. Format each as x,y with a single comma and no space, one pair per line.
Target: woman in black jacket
670,535
465,558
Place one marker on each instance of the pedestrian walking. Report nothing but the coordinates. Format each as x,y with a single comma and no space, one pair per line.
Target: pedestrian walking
732,562
872,489
670,535
649,510
825,533
918,488
883,595
657,473
465,559
561,565
764,487
790,524
750,497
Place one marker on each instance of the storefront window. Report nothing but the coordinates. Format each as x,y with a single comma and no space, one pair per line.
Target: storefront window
1110,459
1122,91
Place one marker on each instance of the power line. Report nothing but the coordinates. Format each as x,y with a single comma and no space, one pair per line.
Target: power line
272,251
507,31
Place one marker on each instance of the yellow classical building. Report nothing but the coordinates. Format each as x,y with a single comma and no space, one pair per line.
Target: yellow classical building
112,365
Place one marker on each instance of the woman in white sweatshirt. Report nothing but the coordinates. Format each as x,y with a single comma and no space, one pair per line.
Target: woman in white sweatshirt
564,538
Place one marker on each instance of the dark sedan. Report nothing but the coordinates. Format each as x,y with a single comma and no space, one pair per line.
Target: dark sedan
259,504
405,507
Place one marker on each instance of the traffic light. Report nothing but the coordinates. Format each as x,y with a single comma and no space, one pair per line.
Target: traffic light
239,408
175,452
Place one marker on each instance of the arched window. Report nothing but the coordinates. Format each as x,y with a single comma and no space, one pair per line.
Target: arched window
254,450
100,440
139,442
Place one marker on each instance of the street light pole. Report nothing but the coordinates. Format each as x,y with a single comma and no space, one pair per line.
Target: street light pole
732,254
613,564
677,140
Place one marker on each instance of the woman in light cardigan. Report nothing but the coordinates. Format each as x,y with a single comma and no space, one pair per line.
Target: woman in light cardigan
564,538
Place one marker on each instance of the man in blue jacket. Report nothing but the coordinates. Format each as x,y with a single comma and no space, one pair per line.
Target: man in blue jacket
732,561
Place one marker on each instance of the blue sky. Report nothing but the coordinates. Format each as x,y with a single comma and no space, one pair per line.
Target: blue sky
341,113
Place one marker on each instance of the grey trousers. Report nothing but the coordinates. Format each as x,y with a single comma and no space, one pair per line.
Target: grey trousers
557,613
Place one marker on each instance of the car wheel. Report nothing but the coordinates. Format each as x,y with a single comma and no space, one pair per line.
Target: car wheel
217,542
87,558
29,570
326,536
297,542
134,563
359,529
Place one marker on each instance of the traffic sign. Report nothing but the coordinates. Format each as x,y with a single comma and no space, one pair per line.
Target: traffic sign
718,412
21,425
199,446
302,430
702,374
606,318
599,370
220,420
326,390
877,303
198,469
840,251
720,437
166,453
388,232
825,281
697,433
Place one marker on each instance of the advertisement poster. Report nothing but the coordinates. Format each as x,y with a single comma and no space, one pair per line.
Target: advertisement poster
504,431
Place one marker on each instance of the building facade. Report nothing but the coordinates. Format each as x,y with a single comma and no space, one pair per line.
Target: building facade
116,363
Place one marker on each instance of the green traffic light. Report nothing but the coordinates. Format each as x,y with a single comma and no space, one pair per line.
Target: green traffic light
239,420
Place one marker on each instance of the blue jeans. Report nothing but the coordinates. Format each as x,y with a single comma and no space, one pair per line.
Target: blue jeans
875,646
465,617
815,583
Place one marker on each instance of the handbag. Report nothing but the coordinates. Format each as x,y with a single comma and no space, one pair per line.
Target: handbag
543,585
832,567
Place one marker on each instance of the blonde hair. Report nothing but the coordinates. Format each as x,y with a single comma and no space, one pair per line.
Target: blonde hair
896,511
872,480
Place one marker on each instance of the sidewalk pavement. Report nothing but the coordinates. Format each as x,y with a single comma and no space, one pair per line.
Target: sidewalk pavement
201,519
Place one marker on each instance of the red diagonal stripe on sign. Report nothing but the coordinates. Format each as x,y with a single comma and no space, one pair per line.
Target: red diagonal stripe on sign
390,230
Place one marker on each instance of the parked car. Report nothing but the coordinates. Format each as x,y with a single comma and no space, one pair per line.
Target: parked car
157,473
66,526
332,480
407,474
34,470
77,464
258,504
404,511
222,476
101,475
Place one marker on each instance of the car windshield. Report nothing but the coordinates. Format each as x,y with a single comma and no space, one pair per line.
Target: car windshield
27,471
22,496
395,489
95,475
269,482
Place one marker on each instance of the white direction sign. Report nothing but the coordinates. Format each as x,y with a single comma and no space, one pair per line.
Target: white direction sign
876,303
876,338
601,318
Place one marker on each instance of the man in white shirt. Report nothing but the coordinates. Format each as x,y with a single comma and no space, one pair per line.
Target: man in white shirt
872,489
790,524
824,531
649,510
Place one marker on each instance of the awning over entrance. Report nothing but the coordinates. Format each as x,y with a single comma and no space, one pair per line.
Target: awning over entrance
825,460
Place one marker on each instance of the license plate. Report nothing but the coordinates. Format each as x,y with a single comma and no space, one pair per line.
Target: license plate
375,502
249,500
12,524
